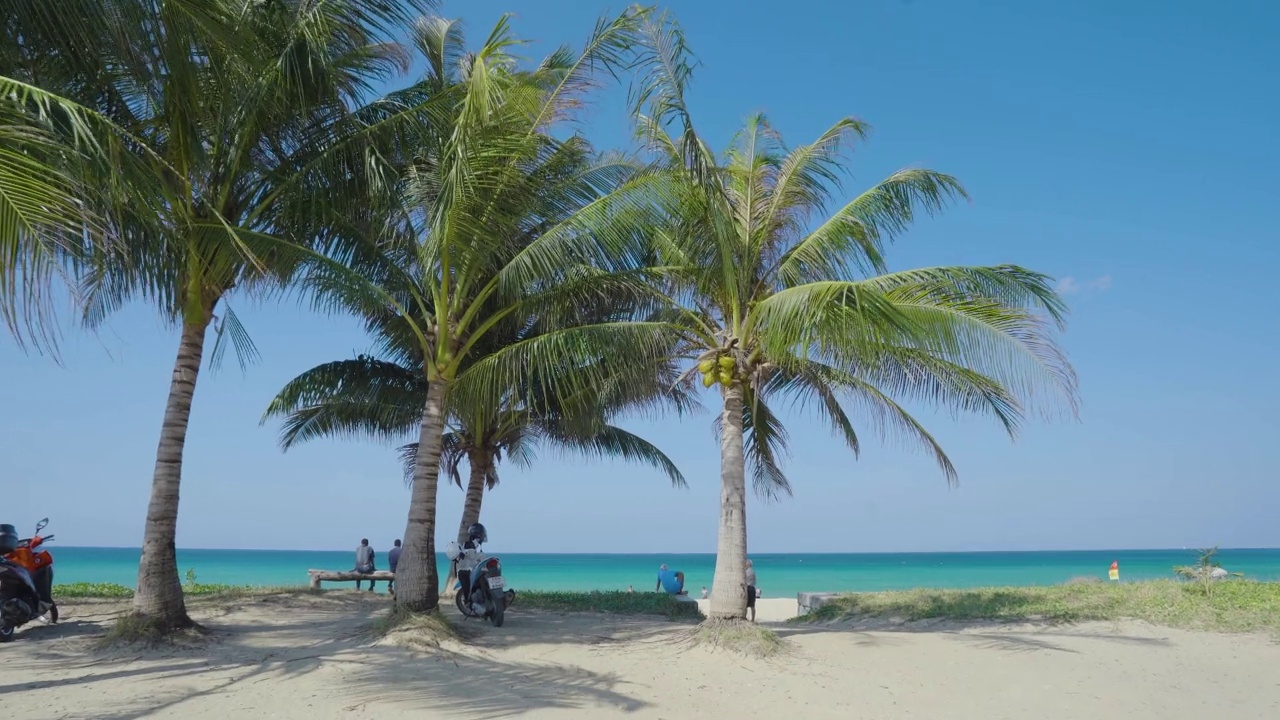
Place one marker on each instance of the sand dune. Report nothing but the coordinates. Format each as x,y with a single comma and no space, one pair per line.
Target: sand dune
310,658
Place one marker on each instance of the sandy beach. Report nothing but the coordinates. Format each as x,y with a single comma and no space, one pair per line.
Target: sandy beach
312,657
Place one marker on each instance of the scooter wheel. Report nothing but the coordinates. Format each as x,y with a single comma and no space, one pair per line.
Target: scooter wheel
6,633
497,615
461,602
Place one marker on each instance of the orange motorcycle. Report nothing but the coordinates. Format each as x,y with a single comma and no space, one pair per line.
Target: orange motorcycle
26,580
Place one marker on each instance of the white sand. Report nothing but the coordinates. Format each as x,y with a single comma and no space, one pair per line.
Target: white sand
308,657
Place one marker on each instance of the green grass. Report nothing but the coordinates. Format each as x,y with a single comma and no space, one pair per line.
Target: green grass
115,591
1226,606
92,590
614,603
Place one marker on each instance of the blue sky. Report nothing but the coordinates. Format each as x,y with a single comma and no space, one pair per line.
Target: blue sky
1125,148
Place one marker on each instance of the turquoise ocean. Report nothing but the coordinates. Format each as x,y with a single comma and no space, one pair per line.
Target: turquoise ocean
780,575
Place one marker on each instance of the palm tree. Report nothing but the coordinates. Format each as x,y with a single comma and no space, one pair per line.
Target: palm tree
381,399
226,108
497,219
782,299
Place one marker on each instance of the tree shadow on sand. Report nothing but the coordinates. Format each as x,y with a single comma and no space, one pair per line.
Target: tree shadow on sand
479,687
467,679
540,627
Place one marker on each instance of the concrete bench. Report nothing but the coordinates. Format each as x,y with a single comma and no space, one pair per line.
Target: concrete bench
807,602
317,576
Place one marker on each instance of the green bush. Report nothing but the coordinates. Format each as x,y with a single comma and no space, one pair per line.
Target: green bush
92,590
115,591
1233,606
615,603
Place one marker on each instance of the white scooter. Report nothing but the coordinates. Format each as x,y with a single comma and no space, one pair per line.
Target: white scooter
488,597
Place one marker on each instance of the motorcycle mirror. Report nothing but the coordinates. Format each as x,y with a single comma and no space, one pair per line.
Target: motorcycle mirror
42,524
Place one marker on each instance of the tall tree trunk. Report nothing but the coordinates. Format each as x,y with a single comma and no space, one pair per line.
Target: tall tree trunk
159,595
480,463
729,586
417,580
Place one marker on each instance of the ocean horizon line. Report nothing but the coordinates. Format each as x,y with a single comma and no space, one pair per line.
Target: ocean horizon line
1187,548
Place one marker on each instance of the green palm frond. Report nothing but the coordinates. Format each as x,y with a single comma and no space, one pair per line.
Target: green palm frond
365,398
851,242
765,446
614,442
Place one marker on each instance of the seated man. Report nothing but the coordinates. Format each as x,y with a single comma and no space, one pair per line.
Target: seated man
365,563
670,582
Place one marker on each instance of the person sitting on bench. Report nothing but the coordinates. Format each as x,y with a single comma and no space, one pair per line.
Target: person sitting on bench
365,562
670,582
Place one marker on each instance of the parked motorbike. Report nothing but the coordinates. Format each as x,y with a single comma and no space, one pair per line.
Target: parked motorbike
26,580
487,596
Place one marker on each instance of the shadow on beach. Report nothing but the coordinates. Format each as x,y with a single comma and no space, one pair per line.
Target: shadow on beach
984,634
281,639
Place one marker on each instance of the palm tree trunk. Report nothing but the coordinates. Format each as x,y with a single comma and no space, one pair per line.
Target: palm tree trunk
159,595
480,465
728,587
417,580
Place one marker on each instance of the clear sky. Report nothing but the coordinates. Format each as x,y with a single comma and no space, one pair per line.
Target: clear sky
1126,148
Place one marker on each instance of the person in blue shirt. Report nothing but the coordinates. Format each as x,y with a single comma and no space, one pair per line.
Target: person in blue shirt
670,582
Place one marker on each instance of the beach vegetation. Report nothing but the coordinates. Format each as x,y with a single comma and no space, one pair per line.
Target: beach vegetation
1235,605
1205,571
105,591
783,298
611,602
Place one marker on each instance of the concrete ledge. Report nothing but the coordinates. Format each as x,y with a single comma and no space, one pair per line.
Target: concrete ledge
807,602
684,598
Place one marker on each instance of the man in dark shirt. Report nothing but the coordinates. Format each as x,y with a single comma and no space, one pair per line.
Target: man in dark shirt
393,559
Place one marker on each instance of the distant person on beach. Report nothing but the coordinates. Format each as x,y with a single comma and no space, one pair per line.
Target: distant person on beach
630,589
365,562
393,559
751,590
669,581
704,592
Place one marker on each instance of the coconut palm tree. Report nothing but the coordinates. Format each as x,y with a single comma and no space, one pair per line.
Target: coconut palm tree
381,399
498,218
784,295
228,107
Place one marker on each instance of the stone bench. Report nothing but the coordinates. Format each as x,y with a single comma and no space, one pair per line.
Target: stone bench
318,576
807,602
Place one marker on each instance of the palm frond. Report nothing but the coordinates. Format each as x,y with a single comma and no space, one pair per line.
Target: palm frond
364,398
614,442
851,242
765,445
229,331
